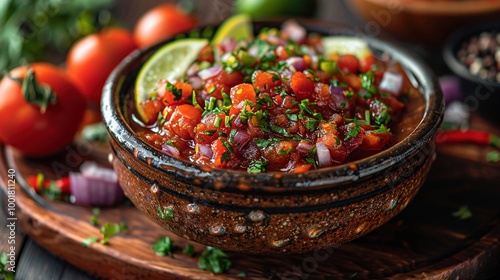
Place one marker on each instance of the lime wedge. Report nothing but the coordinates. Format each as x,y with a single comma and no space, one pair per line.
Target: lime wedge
170,62
238,27
345,45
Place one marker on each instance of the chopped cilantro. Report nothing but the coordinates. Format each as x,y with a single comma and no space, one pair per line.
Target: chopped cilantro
257,166
311,124
280,130
109,230
166,213
164,246
463,213
89,241
493,156
353,132
232,134
381,129
226,156
214,260
262,143
175,91
367,82
285,152
227,146
94,220
188,250
209,132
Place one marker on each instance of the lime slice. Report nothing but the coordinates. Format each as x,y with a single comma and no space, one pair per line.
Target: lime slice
238,27
170,62
345,45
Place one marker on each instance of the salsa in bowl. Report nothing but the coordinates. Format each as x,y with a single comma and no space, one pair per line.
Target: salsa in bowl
279,161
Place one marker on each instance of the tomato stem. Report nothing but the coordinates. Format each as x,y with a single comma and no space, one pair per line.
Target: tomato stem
34,93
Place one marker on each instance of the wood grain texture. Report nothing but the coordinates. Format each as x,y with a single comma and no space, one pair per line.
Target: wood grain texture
425,241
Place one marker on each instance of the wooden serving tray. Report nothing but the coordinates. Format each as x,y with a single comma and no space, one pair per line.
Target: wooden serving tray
424,241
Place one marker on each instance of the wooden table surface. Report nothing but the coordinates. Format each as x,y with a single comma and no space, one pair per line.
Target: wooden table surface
33,261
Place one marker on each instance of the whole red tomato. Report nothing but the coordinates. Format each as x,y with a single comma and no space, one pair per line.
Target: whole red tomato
24,123
91,59
161,22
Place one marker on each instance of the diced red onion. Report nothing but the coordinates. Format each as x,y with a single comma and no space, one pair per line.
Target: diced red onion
298,63
253,50
228,44
241,139
340,101
324,157
294,31
304,147
193,70
169,150
205,150
210,72
450,85
196,82
95,186
391,82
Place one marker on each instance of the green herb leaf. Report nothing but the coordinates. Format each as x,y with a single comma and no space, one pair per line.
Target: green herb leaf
214,260
188,250
226,156
89,241
109,230
262,143
94,220
463,213
280,130
381,129
242,274
352,132
493,156
175,91
285,152
123,226
257,166
166,214
164,246
367,82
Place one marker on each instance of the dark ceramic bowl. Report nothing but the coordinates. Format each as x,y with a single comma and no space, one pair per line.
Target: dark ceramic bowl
481,95
272,213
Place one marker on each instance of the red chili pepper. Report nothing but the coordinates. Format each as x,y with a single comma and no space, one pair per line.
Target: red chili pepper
468,136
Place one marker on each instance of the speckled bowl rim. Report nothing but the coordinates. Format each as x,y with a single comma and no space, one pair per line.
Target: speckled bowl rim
418,72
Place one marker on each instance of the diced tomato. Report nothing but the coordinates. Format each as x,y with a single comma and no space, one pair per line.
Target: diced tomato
241,93
265,81
348,63
282,53
223,82
352,81
375,141
220,153
301,168
302,86
154,139
151,109
366,63
174,93
183,121
206,54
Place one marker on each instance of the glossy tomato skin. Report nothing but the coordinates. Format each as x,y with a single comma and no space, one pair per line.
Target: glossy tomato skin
92,58
160,23
24,127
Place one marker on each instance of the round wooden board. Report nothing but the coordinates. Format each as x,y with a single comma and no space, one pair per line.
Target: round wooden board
425,241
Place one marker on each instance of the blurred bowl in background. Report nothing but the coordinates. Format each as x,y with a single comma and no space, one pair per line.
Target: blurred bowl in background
425,22
473,54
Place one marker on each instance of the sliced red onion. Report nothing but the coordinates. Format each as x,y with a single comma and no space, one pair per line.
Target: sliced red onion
193,70
304,147
95,186
298,63
205,150
196,82
294,31
340,101
241,139
391,82
169,150
229,44
253,50
210,72
324,157
450,85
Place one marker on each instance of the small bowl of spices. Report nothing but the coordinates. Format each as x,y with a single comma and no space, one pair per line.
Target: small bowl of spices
474,55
